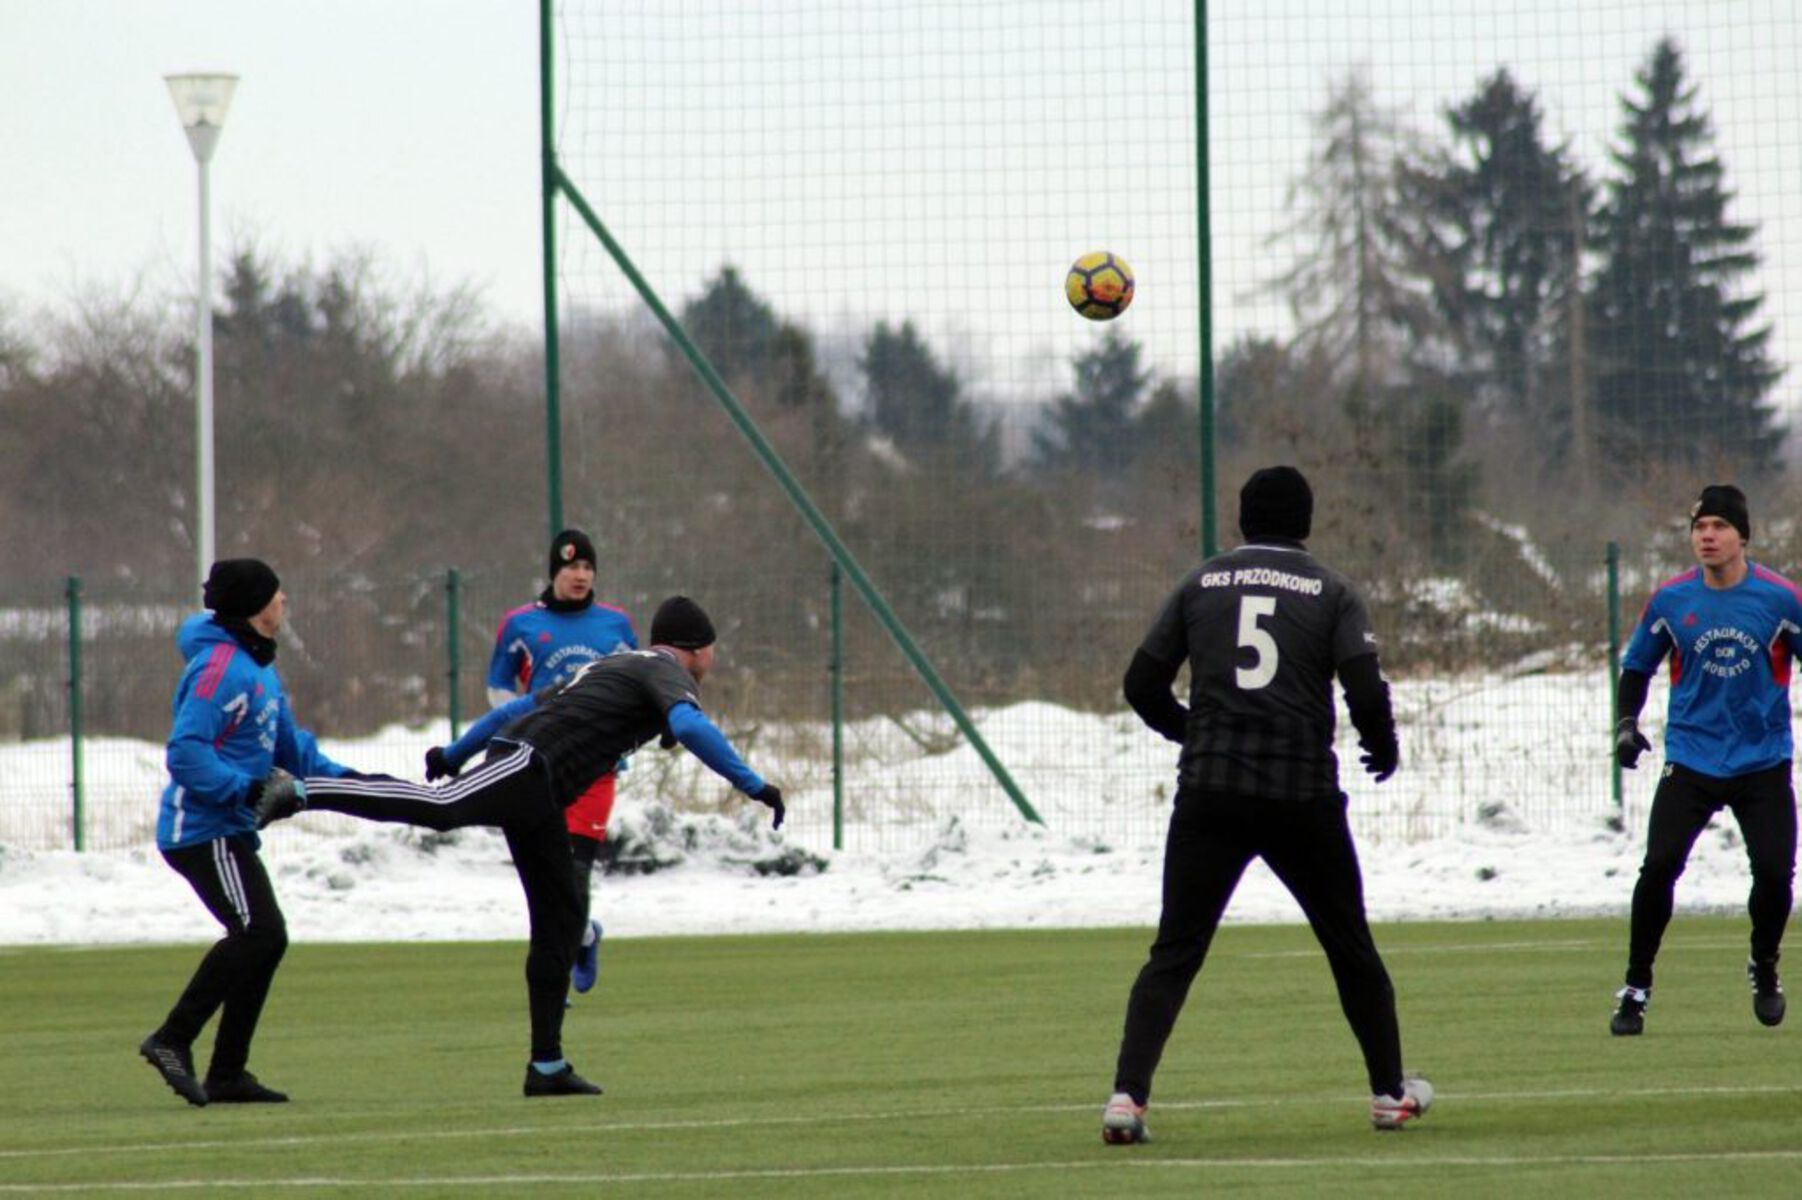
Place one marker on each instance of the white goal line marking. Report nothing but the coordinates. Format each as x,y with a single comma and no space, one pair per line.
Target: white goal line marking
1117,1162
294,1141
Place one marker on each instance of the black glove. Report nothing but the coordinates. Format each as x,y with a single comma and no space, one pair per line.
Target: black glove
437,766
771,795
1382,760
275,797
1629,743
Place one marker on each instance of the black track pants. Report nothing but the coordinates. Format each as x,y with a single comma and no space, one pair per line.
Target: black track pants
1308,845
507,791
1764,804
233,979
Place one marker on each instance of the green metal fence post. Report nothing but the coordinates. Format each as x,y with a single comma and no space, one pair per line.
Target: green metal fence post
1204,261
1614,658
453,650
76,783
547,148
837,670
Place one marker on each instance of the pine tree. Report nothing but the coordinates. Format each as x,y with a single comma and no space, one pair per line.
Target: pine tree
1095,427
918,403
1500,224
1682,374
733,326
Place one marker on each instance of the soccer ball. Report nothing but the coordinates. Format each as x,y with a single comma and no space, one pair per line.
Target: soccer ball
1099,285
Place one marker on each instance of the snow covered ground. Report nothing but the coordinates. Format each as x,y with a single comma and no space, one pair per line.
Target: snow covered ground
1502,809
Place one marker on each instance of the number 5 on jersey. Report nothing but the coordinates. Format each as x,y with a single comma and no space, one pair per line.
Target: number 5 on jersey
1253,637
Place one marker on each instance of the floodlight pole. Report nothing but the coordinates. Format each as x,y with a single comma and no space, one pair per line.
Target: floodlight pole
201,101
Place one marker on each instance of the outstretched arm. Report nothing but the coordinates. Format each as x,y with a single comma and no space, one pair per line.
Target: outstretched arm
703,738
448,760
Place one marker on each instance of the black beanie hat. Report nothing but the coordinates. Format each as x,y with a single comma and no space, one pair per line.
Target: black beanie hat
1276,502
681,623
569,546
239,587
1727,502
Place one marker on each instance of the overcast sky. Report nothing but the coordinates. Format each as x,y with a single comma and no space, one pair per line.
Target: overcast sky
404,126
409,128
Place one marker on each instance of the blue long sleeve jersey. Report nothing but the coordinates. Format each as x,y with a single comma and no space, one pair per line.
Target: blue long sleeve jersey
687,724
538,646
1730,652
231,725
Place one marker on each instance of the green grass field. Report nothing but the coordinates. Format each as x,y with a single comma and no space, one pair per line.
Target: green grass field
943,1064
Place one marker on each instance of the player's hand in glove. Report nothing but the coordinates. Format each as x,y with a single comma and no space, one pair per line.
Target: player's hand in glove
1629,743
771,795
1382,760
437,766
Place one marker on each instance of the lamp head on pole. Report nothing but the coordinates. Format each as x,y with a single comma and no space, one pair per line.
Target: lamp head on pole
200,102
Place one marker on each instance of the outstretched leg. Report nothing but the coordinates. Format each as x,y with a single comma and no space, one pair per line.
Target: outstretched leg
491,794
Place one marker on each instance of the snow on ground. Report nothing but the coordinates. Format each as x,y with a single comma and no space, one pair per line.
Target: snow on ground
1492,816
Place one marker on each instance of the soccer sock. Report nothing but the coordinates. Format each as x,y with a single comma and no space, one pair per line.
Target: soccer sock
589,937
550,1068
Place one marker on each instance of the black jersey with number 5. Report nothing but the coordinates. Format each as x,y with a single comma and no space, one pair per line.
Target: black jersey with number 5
1264,629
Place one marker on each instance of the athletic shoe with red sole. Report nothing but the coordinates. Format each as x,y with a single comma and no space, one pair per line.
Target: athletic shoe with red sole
1123,1121
1387,1112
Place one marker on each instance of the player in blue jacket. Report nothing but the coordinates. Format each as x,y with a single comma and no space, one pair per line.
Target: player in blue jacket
544,643
1730,629
232,729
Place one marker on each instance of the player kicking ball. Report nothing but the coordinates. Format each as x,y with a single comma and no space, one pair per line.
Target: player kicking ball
542,751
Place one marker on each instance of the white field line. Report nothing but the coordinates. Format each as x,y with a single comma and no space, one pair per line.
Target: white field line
1549,946
165,1147
1115,1162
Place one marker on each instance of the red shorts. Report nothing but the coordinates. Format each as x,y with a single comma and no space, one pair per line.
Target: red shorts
587,817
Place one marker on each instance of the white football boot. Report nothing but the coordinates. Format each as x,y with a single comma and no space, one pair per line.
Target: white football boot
1123,1122
1386,1112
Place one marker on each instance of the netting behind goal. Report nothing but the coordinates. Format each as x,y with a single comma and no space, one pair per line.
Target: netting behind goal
1507,288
